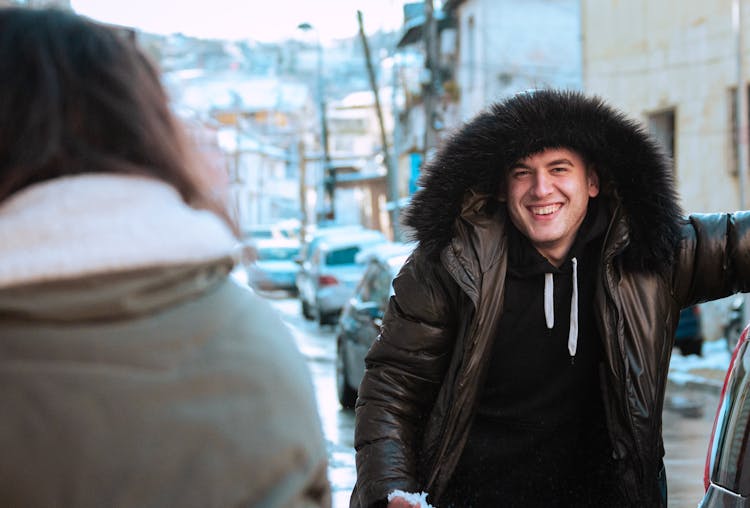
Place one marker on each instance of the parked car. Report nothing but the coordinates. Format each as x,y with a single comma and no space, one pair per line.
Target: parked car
727,471
362,316
274,267
315,235
328,272
289,228
689,333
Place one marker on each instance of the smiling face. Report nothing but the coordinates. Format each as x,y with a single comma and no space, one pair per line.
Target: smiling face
547,196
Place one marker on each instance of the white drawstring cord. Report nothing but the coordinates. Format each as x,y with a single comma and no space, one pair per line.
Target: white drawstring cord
549,307
573,333
549,302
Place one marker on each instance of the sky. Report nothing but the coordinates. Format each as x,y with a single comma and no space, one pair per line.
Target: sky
261,20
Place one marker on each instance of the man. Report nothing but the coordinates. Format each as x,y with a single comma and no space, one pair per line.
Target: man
524,356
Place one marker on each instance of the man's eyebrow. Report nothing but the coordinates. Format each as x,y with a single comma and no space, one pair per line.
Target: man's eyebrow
520,165
559,161
556,162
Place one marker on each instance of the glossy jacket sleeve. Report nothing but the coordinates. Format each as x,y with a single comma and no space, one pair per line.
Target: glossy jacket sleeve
404,371
713,260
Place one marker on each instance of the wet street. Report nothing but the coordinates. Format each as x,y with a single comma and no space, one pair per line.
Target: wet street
688,417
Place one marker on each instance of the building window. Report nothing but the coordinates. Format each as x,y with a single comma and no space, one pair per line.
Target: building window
662,127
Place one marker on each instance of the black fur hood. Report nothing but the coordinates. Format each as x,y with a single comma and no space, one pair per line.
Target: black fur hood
633,170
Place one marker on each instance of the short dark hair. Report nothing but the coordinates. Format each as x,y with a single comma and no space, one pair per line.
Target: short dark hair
77,96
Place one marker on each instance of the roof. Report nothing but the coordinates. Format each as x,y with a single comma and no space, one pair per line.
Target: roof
414,28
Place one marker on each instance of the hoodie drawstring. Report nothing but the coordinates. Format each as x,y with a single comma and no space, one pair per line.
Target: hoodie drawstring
573,333
549,303
549,307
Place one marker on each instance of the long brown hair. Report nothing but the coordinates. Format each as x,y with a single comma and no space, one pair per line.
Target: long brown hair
79,97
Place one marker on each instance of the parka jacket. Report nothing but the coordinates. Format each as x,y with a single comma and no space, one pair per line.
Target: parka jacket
133,370
417,399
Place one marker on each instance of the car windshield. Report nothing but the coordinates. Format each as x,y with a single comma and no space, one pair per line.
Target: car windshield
277,253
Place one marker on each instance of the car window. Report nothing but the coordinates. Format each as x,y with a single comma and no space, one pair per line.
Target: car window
343,256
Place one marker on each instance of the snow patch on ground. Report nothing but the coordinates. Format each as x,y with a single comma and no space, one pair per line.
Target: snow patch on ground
693,368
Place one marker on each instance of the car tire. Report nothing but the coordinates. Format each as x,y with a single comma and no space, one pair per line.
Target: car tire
327,318
691,347
306,311
346,394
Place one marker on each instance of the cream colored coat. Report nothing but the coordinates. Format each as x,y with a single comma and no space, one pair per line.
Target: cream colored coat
133,371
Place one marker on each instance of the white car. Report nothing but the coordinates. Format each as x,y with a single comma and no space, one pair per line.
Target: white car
329,272
274,266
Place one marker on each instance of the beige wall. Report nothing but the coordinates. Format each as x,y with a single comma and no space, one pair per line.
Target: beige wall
649,55
646,56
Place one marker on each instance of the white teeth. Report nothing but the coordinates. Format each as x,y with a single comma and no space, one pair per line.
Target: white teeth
545,210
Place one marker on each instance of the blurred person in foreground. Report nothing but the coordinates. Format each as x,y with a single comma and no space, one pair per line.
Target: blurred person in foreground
523,359
133,371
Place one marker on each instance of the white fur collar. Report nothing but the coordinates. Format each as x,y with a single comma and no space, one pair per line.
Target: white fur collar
98,223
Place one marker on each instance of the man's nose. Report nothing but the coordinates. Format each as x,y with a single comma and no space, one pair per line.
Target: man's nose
542,184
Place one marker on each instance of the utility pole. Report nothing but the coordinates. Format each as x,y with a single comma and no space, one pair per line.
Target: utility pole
300,155
393,177
391,170
431,87
329,171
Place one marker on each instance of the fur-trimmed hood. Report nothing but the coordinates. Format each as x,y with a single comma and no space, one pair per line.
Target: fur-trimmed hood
634,172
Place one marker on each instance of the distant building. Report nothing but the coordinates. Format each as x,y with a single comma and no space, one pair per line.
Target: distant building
507,46
259,123
357,154
64,4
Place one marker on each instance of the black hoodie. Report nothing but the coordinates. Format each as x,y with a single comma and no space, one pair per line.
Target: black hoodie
540,419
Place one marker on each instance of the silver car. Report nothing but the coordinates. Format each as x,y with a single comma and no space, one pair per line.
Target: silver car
329,272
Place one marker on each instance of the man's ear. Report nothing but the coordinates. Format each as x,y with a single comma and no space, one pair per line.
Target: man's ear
593,181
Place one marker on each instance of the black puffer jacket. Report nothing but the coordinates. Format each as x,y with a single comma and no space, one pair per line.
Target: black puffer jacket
418,396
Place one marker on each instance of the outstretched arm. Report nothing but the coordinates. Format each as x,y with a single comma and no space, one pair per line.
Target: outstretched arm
714,257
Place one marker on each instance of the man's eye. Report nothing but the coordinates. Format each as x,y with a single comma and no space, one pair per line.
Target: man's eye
520,172
559,170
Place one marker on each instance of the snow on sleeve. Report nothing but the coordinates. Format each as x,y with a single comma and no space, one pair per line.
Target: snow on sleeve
411,497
